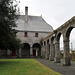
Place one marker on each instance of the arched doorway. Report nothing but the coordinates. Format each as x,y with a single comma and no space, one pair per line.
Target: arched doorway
36,49
13,52
25,50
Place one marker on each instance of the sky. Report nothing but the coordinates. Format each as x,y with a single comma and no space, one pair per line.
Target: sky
54,12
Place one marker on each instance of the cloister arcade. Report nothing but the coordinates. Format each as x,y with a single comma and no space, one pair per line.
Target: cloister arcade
51,44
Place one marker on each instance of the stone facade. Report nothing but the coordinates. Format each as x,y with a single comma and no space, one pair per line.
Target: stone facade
30,30
31,40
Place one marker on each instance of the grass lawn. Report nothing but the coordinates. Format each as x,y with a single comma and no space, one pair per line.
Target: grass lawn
24,67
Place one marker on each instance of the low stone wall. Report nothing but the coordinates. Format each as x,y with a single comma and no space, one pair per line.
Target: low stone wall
72,56
3,53
61,55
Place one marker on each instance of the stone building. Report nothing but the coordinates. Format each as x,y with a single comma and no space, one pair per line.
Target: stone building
31,30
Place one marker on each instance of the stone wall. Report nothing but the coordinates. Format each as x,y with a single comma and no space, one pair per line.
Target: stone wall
73,56
31,39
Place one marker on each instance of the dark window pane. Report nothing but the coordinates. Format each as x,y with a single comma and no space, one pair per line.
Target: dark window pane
36,34
25,34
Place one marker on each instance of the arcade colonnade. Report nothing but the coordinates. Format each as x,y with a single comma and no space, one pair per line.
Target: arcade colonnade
29,50
51,44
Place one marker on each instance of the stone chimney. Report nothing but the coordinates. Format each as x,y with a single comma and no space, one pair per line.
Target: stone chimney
26,14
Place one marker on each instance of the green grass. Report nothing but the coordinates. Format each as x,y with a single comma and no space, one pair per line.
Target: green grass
24,67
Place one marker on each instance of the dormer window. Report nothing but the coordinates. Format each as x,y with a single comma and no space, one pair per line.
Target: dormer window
36,34
25,34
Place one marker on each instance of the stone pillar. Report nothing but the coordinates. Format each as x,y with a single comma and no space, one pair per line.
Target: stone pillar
47,51
36,52
16,52
20,55
57,53
52,52
31,51
44,47
67,61
42,51
8,53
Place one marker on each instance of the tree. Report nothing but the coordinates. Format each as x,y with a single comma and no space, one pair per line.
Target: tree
8,15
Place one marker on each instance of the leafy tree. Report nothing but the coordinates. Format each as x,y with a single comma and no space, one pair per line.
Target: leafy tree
8,15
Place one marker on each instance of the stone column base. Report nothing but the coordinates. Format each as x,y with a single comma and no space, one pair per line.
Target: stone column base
20,55
67,61
51,58
57,60
46,57
43,56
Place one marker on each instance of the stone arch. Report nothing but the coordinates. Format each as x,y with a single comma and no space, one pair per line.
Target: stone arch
67,35
57,48
36,49
58,36
25,50
66,46
52,39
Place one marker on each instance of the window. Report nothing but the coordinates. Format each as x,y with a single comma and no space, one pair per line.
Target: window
25,34
36,34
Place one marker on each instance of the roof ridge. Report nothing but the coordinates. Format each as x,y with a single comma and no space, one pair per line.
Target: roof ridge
29,15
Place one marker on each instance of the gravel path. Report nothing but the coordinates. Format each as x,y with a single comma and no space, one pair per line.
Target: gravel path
65,70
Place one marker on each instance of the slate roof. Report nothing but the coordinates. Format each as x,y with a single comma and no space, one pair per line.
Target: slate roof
35,24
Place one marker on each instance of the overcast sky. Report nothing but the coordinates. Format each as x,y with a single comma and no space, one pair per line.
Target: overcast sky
54,12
